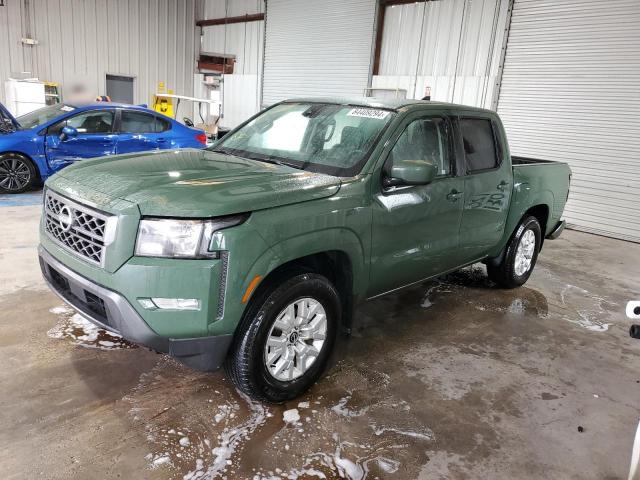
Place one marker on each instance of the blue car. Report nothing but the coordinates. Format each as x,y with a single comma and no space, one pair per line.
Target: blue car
38,144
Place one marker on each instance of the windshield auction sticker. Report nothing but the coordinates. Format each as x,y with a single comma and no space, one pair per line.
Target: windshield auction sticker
367,113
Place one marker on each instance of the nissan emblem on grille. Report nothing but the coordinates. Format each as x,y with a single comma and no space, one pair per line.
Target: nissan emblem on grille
65,217
76,227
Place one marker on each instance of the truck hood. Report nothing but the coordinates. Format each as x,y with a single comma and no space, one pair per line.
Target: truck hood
5,116
192,183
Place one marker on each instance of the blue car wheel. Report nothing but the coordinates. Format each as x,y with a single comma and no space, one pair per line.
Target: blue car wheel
17,173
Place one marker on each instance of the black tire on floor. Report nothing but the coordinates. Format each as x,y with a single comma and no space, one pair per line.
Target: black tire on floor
17,173
504,273
246,365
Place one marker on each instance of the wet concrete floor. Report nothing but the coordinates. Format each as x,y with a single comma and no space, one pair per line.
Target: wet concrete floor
451,379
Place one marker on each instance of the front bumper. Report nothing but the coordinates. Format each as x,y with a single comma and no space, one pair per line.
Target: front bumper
111,311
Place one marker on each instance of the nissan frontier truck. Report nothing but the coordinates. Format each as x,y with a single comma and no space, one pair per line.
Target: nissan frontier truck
254,253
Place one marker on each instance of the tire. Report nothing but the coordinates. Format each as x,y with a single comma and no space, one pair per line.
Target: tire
514,269
248,364
17,173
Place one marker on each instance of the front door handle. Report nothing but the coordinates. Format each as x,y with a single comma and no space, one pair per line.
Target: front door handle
454,195
502,185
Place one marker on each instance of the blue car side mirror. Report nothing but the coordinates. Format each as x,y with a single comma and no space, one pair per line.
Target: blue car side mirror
68,132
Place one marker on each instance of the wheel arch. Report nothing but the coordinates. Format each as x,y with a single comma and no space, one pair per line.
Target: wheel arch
336,253
28,157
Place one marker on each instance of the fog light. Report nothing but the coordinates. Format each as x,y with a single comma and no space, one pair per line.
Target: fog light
170,303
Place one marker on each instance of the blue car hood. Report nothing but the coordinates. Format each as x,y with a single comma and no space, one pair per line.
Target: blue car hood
6,115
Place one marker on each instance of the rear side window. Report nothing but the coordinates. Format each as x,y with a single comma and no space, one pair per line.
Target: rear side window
479,144
162,125
137,122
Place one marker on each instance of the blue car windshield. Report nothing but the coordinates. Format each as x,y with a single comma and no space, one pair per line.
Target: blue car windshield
43,115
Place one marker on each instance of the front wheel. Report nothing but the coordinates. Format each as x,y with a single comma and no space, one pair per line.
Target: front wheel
520,255
285,338
17,173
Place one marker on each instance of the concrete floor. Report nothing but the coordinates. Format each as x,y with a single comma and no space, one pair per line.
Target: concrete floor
450,379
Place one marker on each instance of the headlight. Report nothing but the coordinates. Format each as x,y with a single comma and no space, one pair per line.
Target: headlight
164,237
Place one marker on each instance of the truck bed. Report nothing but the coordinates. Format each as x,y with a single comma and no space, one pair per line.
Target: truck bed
540,182
529,161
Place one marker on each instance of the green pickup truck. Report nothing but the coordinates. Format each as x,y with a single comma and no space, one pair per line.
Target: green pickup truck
255,252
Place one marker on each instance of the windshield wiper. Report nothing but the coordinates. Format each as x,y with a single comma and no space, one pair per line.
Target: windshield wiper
259,158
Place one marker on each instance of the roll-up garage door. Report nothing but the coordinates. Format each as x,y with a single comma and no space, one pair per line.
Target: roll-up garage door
315,48
571,92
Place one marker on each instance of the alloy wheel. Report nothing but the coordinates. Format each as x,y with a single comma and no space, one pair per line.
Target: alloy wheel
295,339
14,174
524,253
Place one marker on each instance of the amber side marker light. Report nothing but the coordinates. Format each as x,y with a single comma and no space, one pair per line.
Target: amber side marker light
252,286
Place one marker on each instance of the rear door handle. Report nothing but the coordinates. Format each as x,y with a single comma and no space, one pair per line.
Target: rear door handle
502,185
161,140
454,195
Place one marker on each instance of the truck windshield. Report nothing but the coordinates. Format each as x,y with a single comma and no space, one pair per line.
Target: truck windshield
320,137
43,115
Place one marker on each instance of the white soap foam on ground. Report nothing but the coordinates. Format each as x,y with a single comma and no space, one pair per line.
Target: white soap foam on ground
588,306
291,416
81,331
229,440
342,409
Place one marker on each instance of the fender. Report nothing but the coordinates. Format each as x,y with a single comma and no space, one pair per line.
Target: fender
332,239
524,197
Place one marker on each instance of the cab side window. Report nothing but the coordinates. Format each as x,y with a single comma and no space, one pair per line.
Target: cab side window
424,139
479,144
91,122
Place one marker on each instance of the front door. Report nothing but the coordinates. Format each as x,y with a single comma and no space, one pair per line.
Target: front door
415,229
95,138
487,188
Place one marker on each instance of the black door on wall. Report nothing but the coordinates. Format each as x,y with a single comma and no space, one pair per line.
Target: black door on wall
120,88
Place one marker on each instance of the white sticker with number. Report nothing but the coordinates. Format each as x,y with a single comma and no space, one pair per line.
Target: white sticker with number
67,108
368,113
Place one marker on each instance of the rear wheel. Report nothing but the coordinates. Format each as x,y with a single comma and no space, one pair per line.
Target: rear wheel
17,173
520,255
285,338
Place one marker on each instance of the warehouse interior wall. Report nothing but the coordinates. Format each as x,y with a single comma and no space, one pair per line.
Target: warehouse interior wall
452,48
245,40
80,41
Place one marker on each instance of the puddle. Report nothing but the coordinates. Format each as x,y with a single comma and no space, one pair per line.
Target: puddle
200,427
471,286
73,326
571,303
590,308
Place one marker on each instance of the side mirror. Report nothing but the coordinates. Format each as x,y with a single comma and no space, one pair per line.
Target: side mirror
68,132
411,172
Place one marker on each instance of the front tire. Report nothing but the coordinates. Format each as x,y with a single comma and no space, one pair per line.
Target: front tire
520,255
17,173
285,338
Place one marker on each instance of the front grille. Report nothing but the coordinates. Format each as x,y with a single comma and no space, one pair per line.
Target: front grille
77,228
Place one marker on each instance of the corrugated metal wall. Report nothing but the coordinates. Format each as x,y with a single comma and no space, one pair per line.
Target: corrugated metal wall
82,40
451,46
245,41
317,48
571,92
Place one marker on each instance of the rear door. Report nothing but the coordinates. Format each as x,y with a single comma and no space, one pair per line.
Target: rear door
95,138
415,228
487,185
139,131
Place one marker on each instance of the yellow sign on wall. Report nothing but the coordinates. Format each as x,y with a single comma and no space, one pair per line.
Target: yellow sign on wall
161,104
